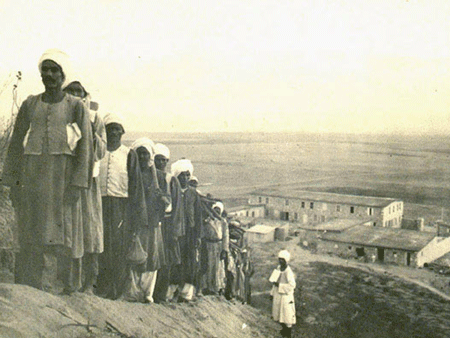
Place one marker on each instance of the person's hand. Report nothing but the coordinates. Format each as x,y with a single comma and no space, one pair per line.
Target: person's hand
164,197
72,194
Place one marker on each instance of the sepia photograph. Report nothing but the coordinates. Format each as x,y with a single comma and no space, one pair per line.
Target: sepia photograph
225,169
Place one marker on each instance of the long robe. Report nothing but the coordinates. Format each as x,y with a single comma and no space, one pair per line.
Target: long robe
44,164
151,235
188,270
173,223
283,306
194,233
216,240
172,230
91,199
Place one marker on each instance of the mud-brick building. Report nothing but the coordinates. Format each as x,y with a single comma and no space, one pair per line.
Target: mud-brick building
312,208
387,245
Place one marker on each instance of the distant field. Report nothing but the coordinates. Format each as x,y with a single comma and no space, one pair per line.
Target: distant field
415,169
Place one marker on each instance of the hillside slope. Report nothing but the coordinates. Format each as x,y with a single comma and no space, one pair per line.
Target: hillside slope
27,312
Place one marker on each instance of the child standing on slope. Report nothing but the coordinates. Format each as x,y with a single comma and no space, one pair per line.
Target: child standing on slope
283,286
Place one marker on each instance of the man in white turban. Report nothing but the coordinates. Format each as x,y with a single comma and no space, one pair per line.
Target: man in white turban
150,236
188,273
215,248
49,163
124,207
283,286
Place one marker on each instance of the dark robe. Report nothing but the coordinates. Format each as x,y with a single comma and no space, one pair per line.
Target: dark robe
172,230
190,242
151,235
122,217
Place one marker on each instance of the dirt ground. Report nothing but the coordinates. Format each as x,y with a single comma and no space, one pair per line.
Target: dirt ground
334,298
26,312
345,298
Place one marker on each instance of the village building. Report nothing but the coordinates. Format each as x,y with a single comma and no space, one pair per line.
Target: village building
260,234
251,211
385,245
313,208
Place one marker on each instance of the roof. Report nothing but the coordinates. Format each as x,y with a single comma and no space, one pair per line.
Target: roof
328,197
388,238
337,224
261,229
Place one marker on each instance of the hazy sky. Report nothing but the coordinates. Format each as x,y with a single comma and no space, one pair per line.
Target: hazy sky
318,65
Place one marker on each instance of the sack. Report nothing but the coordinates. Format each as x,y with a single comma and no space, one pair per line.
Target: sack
136,254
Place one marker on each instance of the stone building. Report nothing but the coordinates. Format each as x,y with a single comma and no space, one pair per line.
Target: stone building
312,208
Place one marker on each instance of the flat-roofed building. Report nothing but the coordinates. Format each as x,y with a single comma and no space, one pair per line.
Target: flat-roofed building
311,208
260,234
387,245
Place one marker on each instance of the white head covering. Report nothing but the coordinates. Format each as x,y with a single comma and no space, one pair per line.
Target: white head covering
109,118
181,166
285,255
193,178
146,143
218,205
161,149
74,78
60,58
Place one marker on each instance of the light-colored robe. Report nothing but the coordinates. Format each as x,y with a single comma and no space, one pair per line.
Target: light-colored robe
43,165
216,240
283,307
91,199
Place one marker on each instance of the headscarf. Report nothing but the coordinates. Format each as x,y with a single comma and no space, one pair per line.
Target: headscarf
193,179
61,59
75,78
161,149
109,118
181,166
87,99
146,143
285,255
218,205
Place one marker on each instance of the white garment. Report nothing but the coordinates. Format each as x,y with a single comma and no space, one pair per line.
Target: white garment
161,149
114,173
283,307
181,166
147,284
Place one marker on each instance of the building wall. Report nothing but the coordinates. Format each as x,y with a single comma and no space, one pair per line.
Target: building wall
256,237
313,212
255,212
435,249
350,251
392,215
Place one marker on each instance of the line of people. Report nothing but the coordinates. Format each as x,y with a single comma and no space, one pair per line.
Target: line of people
102,217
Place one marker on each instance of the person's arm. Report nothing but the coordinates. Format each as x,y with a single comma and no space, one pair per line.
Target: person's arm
84,151
99,138
136,194
14,158
177,213
289,287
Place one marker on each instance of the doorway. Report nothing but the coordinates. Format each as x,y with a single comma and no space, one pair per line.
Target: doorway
380,252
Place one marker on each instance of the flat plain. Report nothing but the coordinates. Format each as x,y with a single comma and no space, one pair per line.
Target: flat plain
413,168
